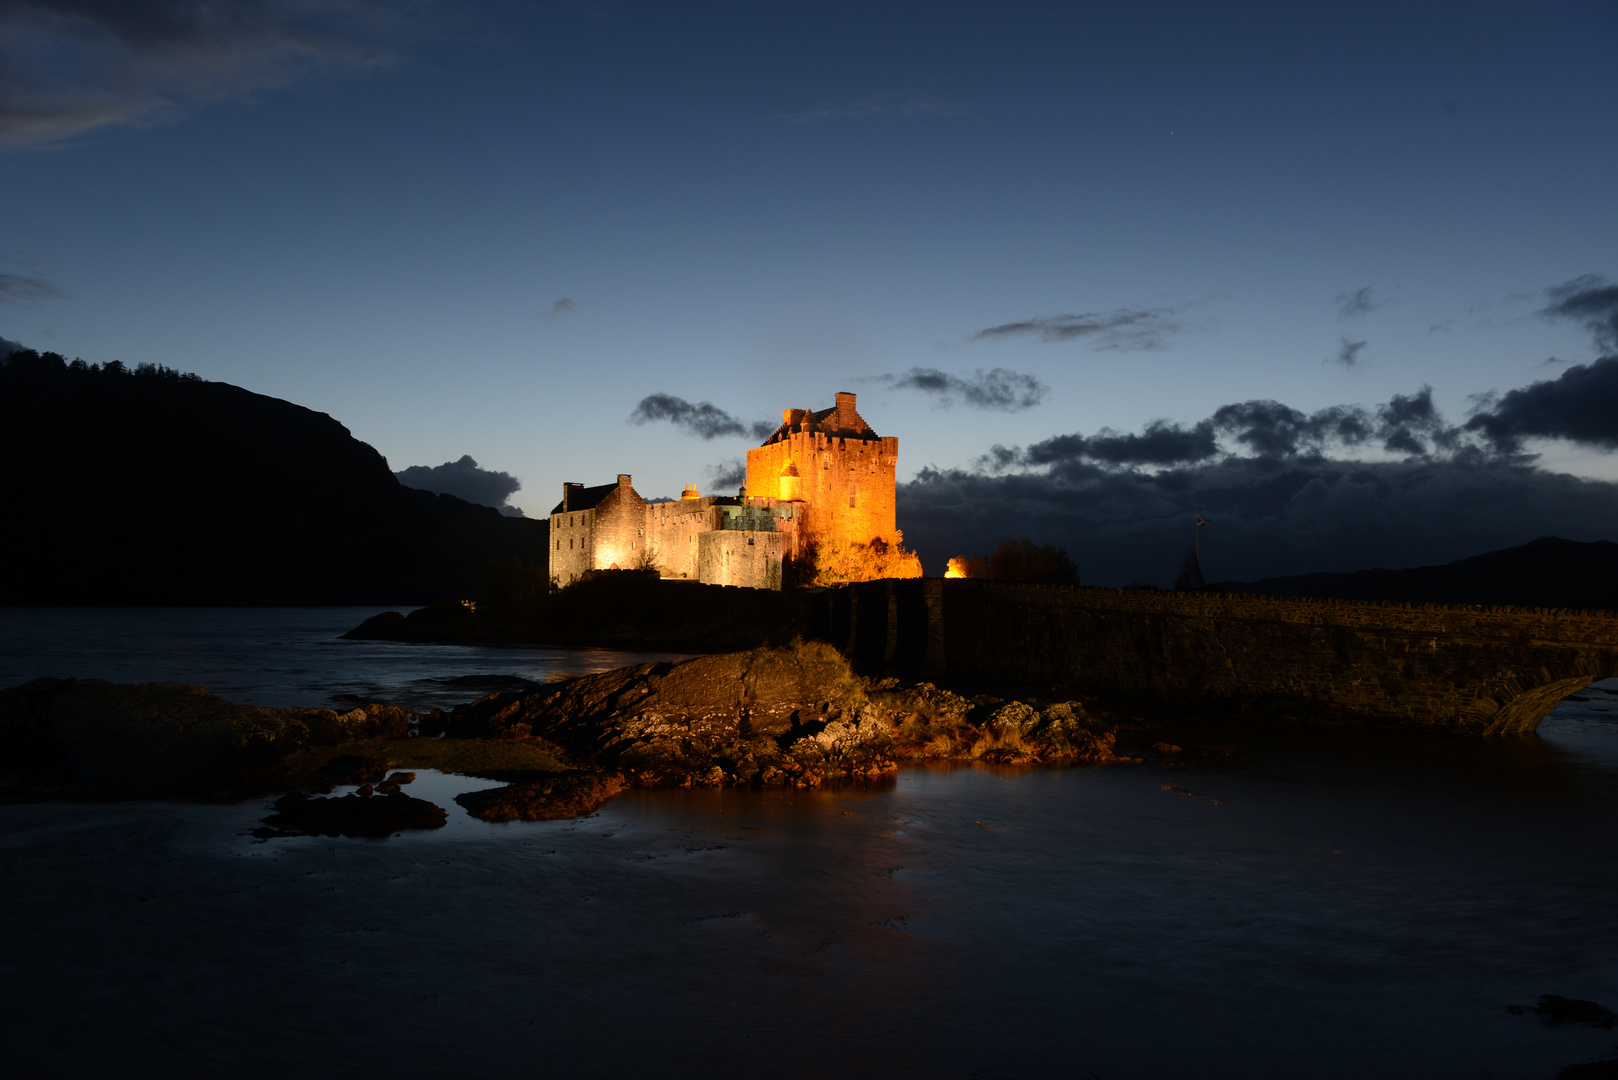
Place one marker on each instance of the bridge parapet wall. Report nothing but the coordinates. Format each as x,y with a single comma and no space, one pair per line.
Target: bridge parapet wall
1486,670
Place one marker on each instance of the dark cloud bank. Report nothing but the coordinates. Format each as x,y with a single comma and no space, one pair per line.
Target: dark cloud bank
1286,490
464,479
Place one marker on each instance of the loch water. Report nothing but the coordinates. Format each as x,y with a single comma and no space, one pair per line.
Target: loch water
1287,902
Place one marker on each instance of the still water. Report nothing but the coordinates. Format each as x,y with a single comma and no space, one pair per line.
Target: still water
1294,903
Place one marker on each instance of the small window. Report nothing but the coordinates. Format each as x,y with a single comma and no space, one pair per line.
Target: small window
850,498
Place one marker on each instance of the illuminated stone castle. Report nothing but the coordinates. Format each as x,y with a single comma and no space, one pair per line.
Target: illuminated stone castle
821,476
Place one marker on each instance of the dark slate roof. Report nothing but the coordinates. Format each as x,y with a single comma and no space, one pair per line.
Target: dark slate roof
586,498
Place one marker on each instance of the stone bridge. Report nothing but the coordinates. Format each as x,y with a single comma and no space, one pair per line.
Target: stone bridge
1481,670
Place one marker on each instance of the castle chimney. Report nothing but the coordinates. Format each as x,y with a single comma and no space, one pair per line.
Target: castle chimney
846,416
623,479
567,492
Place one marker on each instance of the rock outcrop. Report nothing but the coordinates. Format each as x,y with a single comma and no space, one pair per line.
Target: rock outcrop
774,716
162,739
359,814
543,796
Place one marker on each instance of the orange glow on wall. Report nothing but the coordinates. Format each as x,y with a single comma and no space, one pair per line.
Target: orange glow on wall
957,568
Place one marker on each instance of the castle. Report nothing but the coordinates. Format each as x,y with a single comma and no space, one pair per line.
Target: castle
821,477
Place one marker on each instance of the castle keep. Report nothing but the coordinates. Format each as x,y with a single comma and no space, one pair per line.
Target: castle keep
821,477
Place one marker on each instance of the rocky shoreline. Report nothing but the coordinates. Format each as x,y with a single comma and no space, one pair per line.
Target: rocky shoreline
796,715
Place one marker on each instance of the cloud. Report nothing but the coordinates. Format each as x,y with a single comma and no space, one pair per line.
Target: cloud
465,480
1591,300
1272,516
1349,353
1359,302
74,65
730,473
900,103
1123,329
704,419
1270,430
1000,390
1580,405
24,289
562,307
1289,491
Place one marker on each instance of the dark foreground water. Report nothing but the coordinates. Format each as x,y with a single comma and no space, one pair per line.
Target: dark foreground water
1300,903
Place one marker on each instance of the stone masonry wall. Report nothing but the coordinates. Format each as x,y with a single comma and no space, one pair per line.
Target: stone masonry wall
847,483
1480,670
743,558
572,545
672,529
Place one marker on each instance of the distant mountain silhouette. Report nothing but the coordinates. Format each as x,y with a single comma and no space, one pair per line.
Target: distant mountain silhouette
153,487
1548,572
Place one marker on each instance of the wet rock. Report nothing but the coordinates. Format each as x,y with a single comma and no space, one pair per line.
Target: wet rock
350,815
354,769
401,778
161,739
1166,749
720,719
545,797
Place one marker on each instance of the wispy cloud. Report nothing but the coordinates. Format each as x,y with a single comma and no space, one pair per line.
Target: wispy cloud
1348,353
557,310
74,65
24,289
1122,329
1591,300
1361,301
897,103
703,419
999,390
729,473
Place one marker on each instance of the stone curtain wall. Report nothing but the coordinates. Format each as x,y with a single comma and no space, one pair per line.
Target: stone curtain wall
744,558
1479,670
672,530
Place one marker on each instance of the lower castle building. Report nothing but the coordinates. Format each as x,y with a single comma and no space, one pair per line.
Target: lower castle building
820,477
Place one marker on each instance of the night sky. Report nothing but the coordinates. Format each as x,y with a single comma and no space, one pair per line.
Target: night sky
1337,277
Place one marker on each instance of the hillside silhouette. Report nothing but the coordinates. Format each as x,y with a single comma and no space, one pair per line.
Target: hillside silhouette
1548,572
148,486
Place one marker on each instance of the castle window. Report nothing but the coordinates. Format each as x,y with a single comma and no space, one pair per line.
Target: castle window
570,543
851,499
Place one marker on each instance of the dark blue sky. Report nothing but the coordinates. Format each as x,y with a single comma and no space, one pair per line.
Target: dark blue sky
494,229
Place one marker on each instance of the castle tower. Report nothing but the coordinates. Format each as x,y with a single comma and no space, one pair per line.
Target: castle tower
831,470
